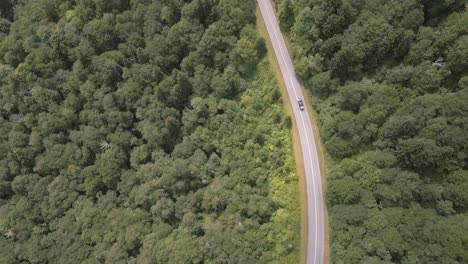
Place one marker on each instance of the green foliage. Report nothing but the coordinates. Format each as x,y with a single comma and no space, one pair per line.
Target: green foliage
389,81
286,14
334,17
7,9
142,132
343,191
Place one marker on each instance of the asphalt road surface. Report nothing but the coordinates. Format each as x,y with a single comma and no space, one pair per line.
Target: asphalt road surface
315,211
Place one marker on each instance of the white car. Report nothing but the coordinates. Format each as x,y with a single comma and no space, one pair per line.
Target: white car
301,105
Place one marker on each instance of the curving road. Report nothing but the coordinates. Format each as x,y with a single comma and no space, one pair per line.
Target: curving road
315,210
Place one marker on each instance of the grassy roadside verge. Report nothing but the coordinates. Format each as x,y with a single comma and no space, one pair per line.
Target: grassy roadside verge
295,135
297,147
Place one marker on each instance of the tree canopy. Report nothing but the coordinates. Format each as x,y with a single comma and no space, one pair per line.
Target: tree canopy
389,84
142,131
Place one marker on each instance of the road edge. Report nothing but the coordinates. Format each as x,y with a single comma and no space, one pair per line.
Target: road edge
323,161
294,133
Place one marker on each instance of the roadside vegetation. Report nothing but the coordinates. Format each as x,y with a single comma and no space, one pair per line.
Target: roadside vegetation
389,81
142,131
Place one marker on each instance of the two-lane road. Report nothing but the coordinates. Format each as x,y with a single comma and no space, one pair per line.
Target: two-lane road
315,209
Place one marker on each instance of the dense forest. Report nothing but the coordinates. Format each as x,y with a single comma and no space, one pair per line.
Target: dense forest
142,131
389,83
